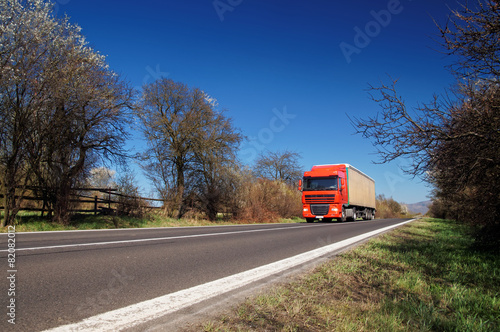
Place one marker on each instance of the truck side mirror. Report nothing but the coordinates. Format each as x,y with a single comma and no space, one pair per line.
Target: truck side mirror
342,184
300,185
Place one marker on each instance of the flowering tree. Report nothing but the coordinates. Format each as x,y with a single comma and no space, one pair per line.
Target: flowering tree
61,106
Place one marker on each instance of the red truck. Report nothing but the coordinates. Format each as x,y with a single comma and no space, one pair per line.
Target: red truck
339,192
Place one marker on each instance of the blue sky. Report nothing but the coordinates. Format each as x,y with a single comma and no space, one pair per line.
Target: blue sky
287,72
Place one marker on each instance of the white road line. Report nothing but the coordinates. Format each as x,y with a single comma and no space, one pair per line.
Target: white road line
126,229
155,239
142,312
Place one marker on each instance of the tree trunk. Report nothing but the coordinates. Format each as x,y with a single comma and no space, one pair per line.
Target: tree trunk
180,192
212,209
9,201
6,210
62,204
61,208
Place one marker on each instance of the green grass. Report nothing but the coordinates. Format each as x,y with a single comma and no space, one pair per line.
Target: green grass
32,222
420,277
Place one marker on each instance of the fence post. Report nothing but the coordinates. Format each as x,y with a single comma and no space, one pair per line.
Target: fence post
95,205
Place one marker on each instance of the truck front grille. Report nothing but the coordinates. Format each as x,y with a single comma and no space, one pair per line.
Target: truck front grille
318,199
320,209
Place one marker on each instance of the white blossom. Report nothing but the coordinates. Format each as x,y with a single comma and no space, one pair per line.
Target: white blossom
210,100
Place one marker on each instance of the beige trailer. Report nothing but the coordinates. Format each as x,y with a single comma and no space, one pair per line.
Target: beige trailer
361,188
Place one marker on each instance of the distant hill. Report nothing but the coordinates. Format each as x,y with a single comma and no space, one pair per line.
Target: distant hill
420,207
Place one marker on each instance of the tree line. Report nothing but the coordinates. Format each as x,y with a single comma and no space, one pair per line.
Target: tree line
453,141
64,113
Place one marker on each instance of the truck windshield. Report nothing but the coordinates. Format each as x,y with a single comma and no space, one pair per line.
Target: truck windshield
320,183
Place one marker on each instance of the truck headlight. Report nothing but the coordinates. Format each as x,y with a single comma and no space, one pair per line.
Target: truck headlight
306,209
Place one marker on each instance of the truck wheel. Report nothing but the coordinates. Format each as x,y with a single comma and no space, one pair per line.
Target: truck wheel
353,218
343,217
309,220
372,215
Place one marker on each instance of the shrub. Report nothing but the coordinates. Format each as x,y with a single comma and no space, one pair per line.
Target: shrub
267,201
388,208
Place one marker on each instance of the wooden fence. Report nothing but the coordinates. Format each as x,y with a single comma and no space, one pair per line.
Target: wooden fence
86,200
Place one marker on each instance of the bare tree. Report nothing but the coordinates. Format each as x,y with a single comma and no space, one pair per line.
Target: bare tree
129,200
452,142
187,139
168,115
397,131
85,123
215,162
472,33
454,146
279,166
466,168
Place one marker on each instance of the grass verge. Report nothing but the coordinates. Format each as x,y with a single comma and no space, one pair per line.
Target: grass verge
31,222
420,277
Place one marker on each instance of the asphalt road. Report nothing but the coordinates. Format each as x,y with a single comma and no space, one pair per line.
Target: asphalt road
64,277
